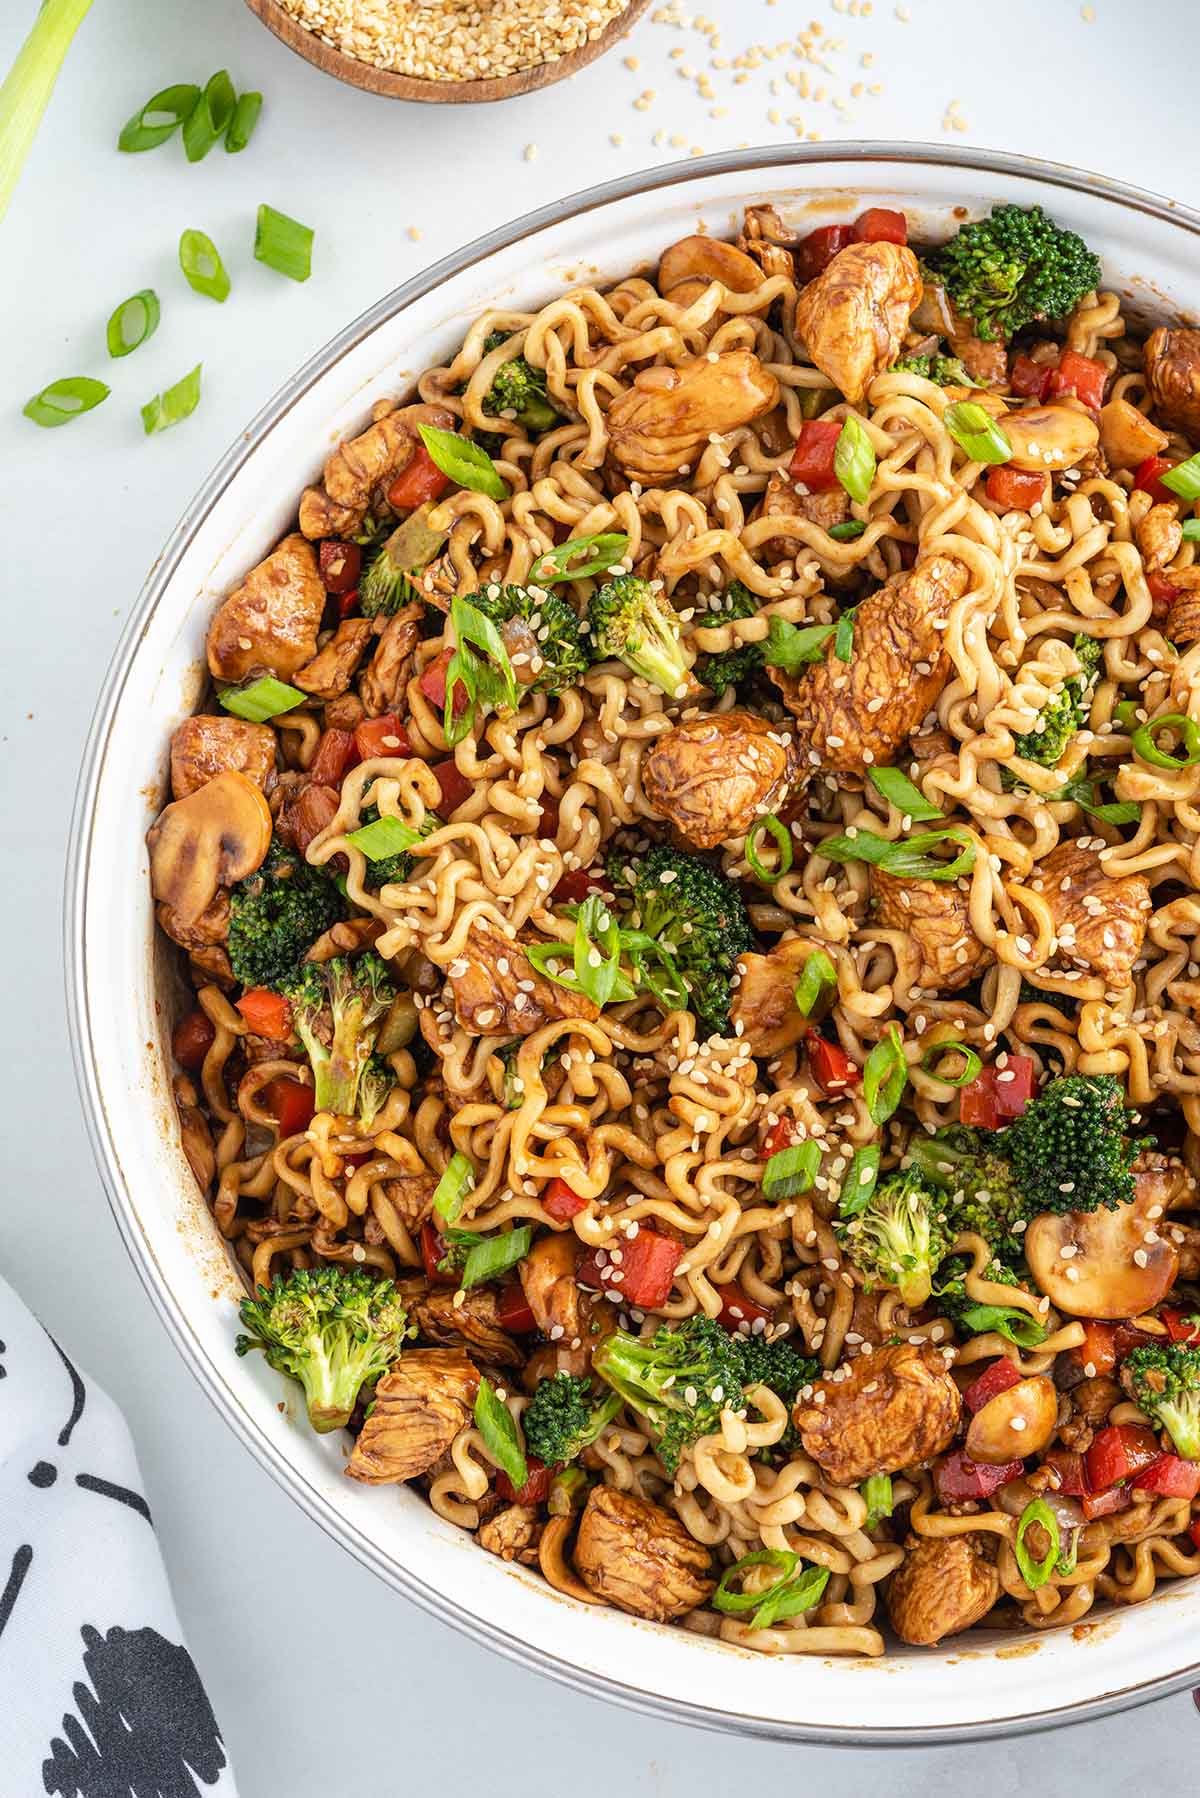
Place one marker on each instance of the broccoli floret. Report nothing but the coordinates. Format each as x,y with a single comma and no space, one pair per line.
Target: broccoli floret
1005,271
899,1236
679,1380
554,656
783,1368
944,371
1165,1383
696,915
519,392
564,1415
720,672
1070,1148
336,1010
972,1318
1066,712
635,623
377,1081
981,1194
275,916
331,1328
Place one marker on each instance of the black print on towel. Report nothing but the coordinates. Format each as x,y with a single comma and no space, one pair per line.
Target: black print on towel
145,1728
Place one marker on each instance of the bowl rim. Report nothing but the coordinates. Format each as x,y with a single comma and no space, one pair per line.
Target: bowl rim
78,867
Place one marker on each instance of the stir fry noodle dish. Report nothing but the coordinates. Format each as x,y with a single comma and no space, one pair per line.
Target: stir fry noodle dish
686,886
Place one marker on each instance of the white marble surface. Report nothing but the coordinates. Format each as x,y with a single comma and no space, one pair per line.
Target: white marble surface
326,1683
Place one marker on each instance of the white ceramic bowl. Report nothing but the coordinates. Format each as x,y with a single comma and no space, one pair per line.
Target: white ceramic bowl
121,994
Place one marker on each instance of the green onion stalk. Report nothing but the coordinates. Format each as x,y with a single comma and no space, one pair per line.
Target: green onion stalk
29,84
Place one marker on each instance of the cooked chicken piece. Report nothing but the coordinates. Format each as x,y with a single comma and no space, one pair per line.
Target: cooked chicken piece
637,1556
1100,923
212,965
305,813
658,427
421,1403
500,993
475,1321
1159,536
411,1196
707,259
764,999
358,473
204,747
1127,436
1171,360
271,620
895,1408
934,913
195,1137
1183,620
387,673
548,1281
985,362
345,713
1163,1180
713,775
331,670
513,1534
858,713
782,499
943,1585
211,927
1091,1402
853,317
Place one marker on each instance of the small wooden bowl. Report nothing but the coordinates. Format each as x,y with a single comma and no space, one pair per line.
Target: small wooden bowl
454,93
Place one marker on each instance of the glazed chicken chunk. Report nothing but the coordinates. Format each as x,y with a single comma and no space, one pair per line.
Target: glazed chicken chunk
204,747
764,998
475,1321
271,621
852,318
421,1403
894,1408
658,427
357,475
1100,923
712,776
331,670
934,914
943,1586
547,1276
852,715
783,500
1171,360
635,1555
513,1534
497,992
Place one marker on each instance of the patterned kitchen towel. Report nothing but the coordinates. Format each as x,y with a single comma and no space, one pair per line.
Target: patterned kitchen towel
98,1695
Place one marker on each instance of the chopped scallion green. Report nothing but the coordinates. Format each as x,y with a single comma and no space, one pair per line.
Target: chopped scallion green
453,1189
791,1171
494,1255
977,432
241,125
159,118
202,266
177,403
465,463
383,837
783,842
885,1076
264,698
1184,478
283,243
901,792
854,459
494,1422
134,320
65,400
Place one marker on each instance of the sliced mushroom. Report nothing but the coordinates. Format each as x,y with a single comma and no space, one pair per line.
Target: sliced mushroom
707,259
1127,436
217,835
1046,438
1016,1423
1111,1264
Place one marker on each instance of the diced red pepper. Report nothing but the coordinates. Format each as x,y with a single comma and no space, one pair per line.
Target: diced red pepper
990,1101
1194,1532
994,1380
1014,1085
831,1067
738,1313
1014,488
433,685
191,1040
957,1477
1169,1477
536,1489
1182,1326
1081,375
562,1202
781,1135
433,1250
812,458
1029,378
644,1274
512,1310
1119,1451
455,786
290,1103
1103,1504
815,252
1097,1353
880,224
336,755
577,883
266,1013
1163,594
1147,478
384,735
347,603
421,480
340,564
1067,1464
977,1102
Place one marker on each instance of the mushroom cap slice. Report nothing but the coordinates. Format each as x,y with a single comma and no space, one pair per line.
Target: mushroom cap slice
1099,1276
217,835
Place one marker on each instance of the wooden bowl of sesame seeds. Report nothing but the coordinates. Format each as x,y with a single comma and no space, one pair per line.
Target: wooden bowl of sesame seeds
453,54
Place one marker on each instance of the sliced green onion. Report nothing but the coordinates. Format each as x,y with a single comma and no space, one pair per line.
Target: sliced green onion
794,1591
854,458
843,639
383,837
222,99
284,244
486,683
908,857
494,1255
453,1188
1036,1573
134,320
202,266
1009,1321
563,563
595,955
1068,1556
782,837
877,1490
264,698
847,531
26,89
465,463
1126,711
494,1422
860,1180
885,1076
159,118
199,129
933,1056
65,400
901,792
1145,741
791,1171
1191,530
818,973
1184,478
241,125
1082,792
793,646
977,432
174,405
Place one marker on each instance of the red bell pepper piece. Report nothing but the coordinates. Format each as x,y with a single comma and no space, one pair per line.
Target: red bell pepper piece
977,1102
266,1013
562,1202
290,1103
347,603
1068,1466
1119,1451
433,1250
781,1135
340,564
644,1274
815,252
455,786
577,883
994,1380
336,755
957,1477
739,1314
1103,1504
421,480
1169,1477
1081,375
812,458
384,735
880,224
990,1101
1029,378
1014,488
1097,1353
1147,477
1194,1532
832,1068
1182,1326
536,1489
512,1310
1163,594
191,1040
433,684
1014,1085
